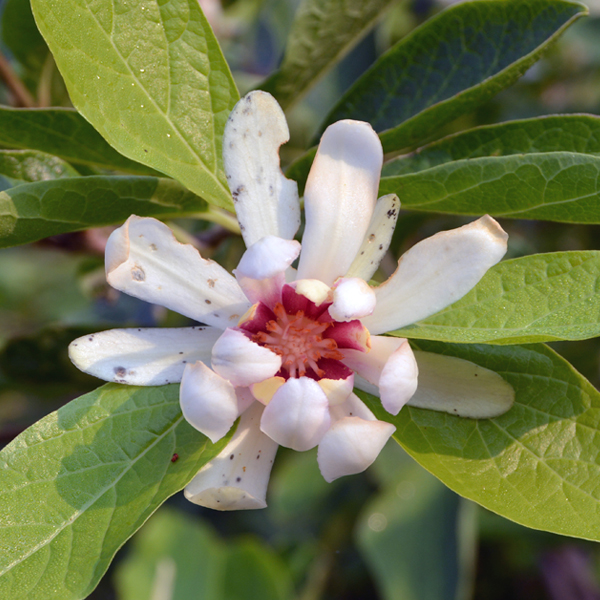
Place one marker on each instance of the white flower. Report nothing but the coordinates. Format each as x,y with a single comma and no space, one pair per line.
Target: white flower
283,349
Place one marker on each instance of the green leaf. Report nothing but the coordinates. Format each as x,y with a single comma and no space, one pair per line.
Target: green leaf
175,556
27,166
418,539
150,76
452,63
553,186
561,133
536,464
323,32
64,133
33,211
77,484
539,298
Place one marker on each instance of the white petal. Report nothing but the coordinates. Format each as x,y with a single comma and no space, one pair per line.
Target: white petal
208,402
340,194
351,445
377,239
460,387
391,366
337,390
262,269
237,478
143,259
352,299
143,356
435,273
313,289
298,415
265,201
242,361
352,407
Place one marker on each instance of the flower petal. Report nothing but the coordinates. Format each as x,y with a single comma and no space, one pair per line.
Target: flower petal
349,334
377,239
339,198
208,401
265,201
143,356
460,387
261,271
435,273
143,259
242,361
337,390
353,406
352,299
238,477
298,415
391,366
351,445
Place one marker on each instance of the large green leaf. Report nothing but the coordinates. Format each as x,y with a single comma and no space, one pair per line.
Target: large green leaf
77,484
561,133
64,133
150,76
452,63
539,298
322,33
553,186
179,557
33,211
537,464
418,538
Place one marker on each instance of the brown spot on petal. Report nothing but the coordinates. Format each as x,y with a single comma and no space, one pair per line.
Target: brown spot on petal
138,273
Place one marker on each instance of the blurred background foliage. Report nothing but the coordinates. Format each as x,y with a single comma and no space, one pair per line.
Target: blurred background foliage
393,533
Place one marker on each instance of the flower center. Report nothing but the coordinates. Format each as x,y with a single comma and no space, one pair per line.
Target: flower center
299,341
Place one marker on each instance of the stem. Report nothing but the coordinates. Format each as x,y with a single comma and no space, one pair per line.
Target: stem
44,89
14,84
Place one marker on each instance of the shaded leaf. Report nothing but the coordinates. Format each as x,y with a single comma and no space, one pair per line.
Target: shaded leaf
539,298
77,484
452,63
150,76
323,32
64,133
33,211
536,464
553,186
561,133
28,166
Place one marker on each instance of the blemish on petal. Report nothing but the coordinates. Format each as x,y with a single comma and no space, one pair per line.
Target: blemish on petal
207,301
138,273
153,247
120,371
211,282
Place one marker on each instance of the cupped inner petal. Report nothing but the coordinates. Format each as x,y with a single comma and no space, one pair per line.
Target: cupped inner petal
351,445
298,414
265,201
460,387
352,299
339,198
242,361
377,239
143,259
238,476
208,401
143,356
261,271
435,273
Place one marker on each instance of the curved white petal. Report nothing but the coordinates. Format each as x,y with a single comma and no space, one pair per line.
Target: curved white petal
339,198
352,407
298,414
143,356
208,402
337,390
351,445
242,361
237,478
265,201
313,289
435,273
143,259
377,239
460,387
261,271
391,366
352,299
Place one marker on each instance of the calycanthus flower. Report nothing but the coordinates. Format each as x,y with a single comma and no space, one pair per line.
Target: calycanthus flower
284,348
